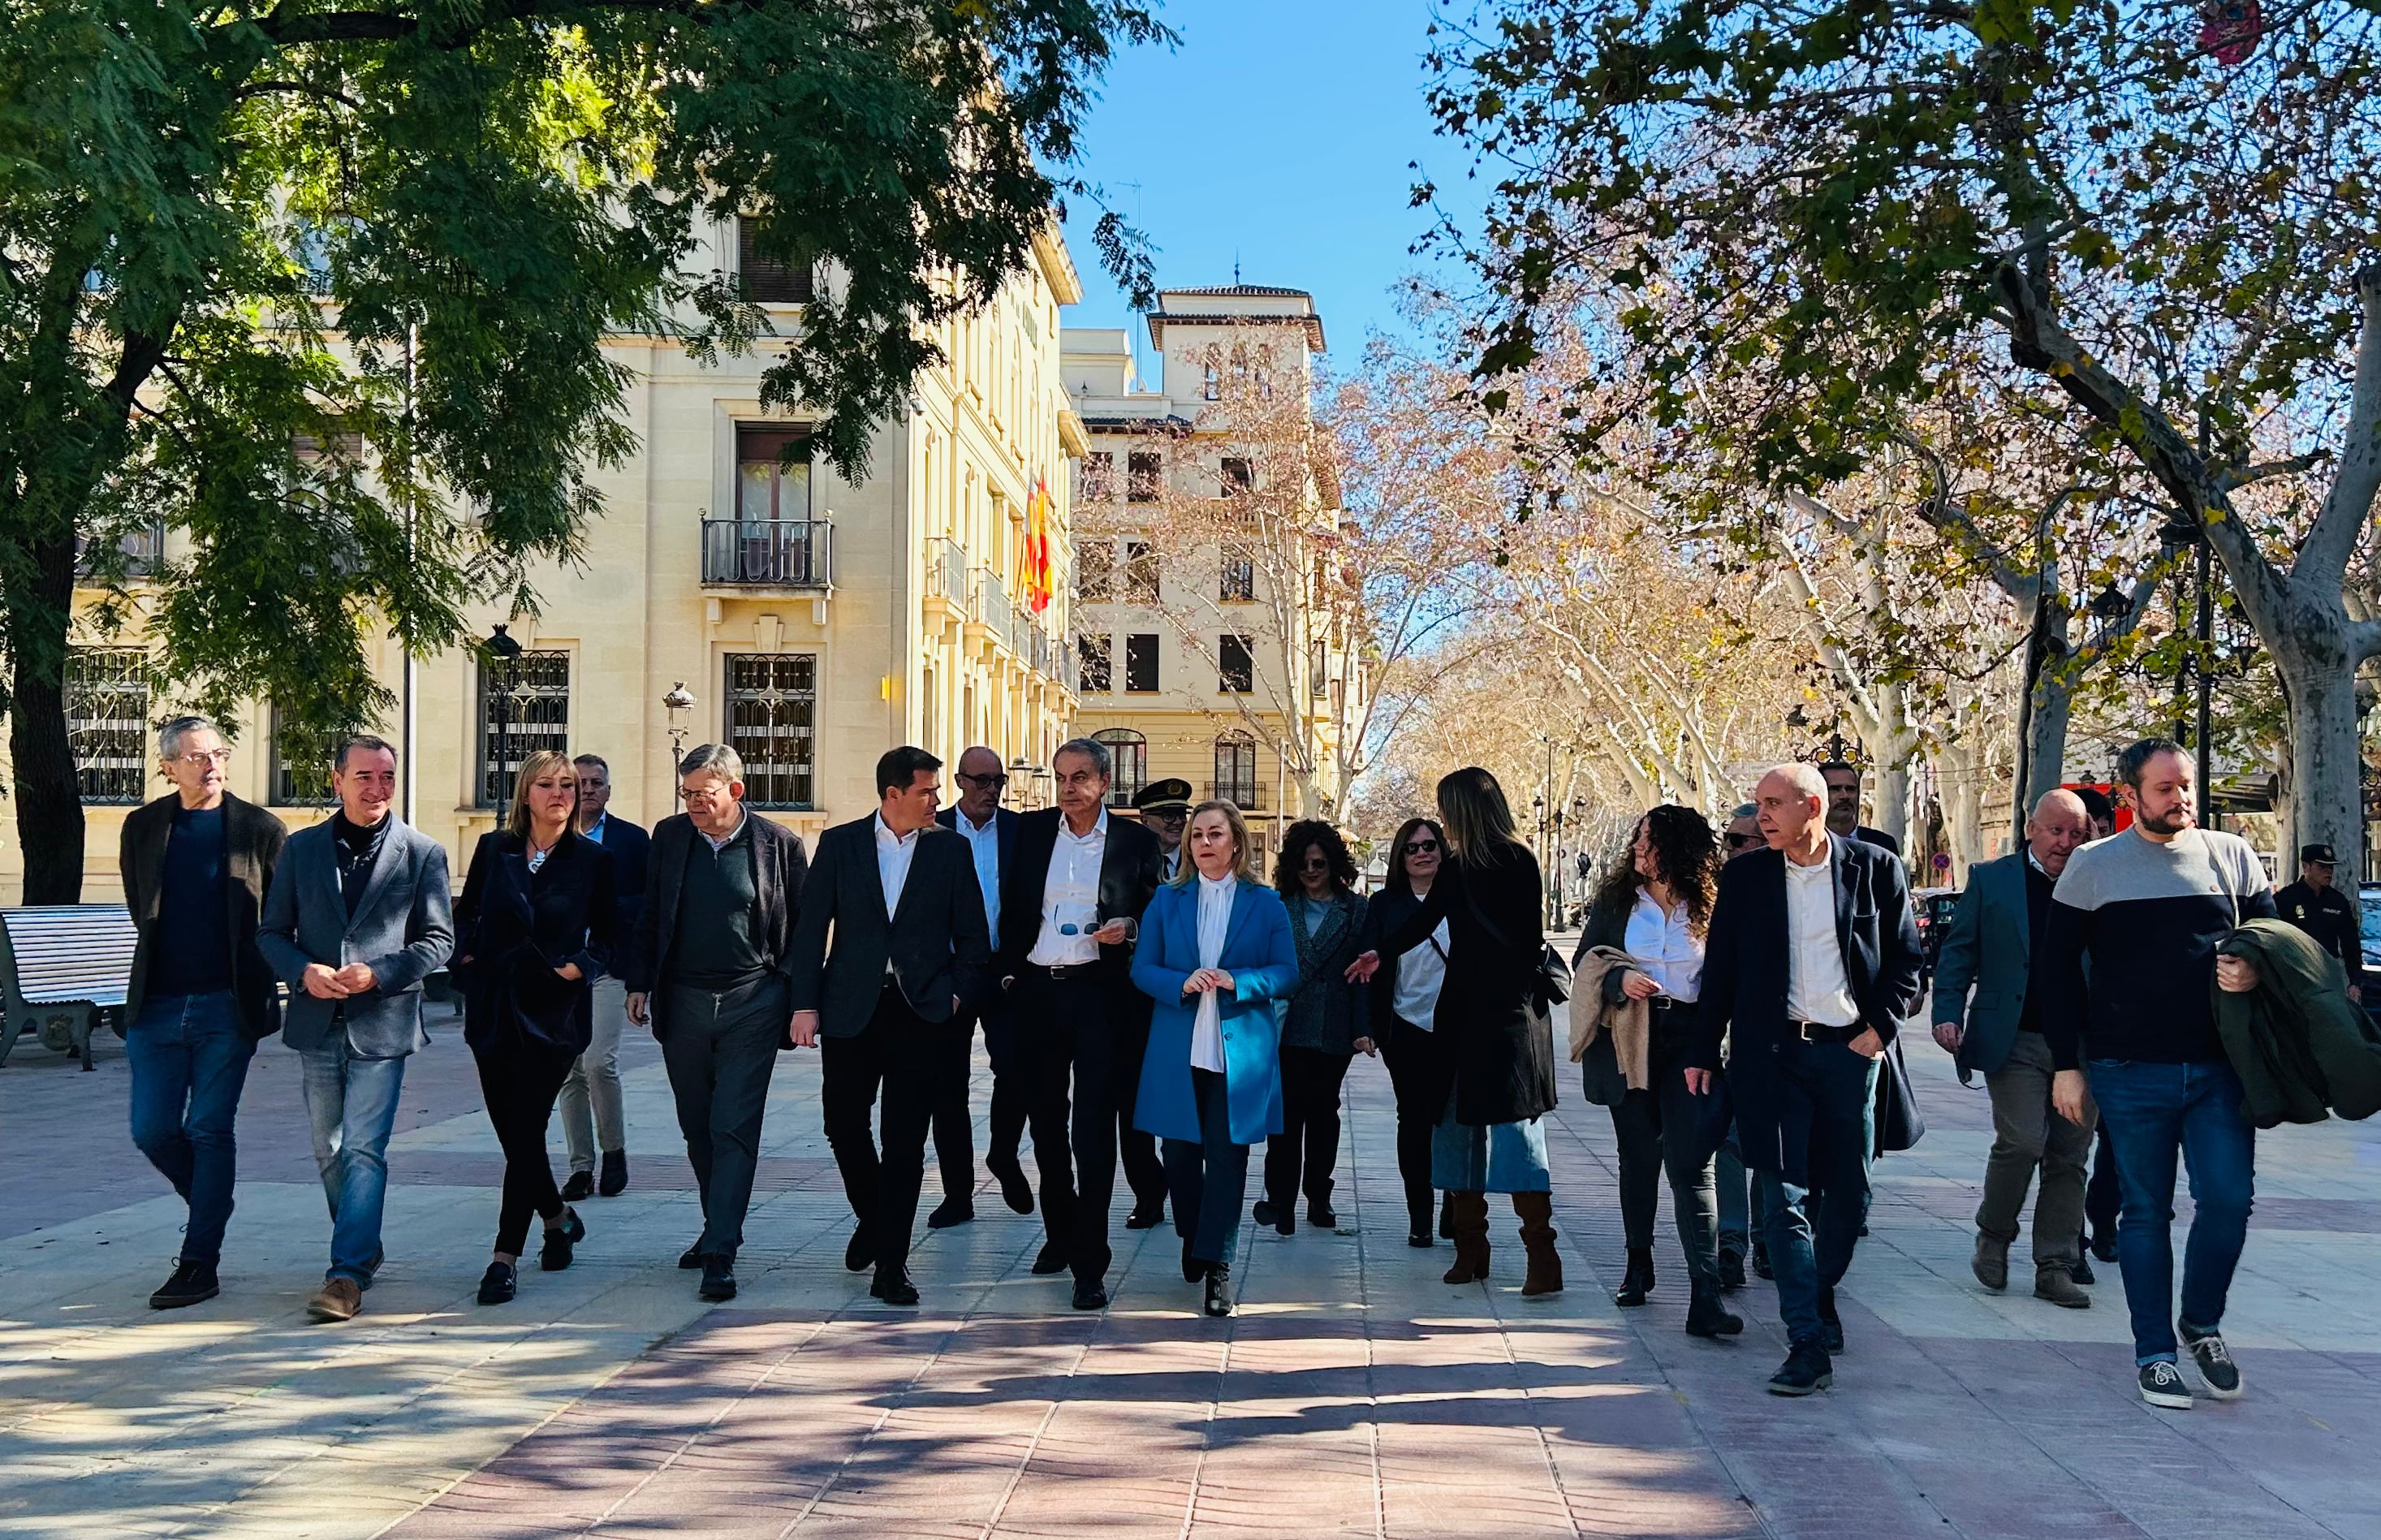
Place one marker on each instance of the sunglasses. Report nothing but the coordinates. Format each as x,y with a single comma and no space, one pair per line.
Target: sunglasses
1316,864
1422,846
1744,841
984,780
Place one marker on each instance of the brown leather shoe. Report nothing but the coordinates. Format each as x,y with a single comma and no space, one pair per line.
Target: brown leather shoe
1991,1263
2052,1282
339,1300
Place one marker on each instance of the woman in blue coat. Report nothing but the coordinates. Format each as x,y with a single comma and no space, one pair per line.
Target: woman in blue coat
1216,954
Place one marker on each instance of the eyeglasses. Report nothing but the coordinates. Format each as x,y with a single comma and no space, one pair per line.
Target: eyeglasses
1000,779
199,758
1316,864
1744,841
1422,846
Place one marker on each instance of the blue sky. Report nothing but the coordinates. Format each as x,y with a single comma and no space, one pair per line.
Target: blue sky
1279,133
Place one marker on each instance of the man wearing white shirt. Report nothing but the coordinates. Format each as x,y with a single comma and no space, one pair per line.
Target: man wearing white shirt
888,947
1810,962
991,833
1070,906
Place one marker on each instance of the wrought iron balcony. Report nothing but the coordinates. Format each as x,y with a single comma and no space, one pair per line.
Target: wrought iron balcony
791,553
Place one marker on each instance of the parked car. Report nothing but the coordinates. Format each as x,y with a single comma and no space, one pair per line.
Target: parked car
2368,900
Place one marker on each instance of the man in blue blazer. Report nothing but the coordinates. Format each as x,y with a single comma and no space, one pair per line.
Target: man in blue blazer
359,914
1992,941
1809,966
991,833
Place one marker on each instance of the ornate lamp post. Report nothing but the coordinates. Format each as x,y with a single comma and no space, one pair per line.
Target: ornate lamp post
505,683
677,703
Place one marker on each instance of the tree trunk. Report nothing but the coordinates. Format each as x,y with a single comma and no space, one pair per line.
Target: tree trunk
2327,804
1893,799
2054,704
48,790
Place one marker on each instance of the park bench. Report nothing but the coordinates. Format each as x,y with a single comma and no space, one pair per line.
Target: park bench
60,966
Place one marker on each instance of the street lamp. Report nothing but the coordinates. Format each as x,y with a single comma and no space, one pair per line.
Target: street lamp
678,701
2176,534
1020,783
502,647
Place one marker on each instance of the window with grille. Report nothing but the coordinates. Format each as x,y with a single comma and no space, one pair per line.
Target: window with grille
1094,652
107,723
1144,476
1128,763
1098,476
1139,572
1236,769
1236,664
1095,571
524,706
298,768
1141,663
1239,582
769,280
773,724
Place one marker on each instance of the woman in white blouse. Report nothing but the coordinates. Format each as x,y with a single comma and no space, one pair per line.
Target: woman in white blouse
1654,908
1216,955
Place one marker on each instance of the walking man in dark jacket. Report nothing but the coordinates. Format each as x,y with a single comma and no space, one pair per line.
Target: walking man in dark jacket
2127,957
2322,911
591,1102
196,864
990,831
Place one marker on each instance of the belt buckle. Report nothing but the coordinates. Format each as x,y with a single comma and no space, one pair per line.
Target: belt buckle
1806,1029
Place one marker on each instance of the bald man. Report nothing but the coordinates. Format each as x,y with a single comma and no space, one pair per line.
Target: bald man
1986,1015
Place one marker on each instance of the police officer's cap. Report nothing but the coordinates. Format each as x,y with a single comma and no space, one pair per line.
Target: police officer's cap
2321,855
1170,795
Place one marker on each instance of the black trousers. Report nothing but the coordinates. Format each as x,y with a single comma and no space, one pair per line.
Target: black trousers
897,1067
1663,1129
1311,1079
1208,1179
1012,1098
1066,1032
1144,1172
521,1081
720,1050
1421,1073
2103,1196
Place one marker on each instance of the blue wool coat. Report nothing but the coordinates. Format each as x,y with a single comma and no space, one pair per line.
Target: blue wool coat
1262,959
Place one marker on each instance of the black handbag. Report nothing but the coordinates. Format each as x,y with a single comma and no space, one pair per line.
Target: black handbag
1552,985
1899,1125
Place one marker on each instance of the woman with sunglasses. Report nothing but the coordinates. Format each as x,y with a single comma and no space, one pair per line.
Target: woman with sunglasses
1403,1010
1653,907
1316,879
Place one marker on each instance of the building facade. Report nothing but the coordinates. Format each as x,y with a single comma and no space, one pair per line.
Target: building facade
1210,641
815,622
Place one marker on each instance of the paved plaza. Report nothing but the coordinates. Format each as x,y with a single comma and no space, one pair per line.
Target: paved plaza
1354,1393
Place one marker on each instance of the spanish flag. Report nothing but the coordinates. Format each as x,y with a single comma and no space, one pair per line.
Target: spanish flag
1038,580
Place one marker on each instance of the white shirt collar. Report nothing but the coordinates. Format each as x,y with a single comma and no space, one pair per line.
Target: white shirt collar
1214,883
729,838
1826,856
991,820
884,835
2035,861
1099,827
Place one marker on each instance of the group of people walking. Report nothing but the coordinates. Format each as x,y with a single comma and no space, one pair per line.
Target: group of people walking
1147,999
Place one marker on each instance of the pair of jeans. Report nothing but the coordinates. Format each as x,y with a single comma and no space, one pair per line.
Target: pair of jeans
1311,1079
2027,1133
520,1080
897,1067
2105,1196
1065,1030
1663,1127
720,1049
1740,1212
189,1057
1826,1093
591,1112
351,1103
2151,1111
1208,1179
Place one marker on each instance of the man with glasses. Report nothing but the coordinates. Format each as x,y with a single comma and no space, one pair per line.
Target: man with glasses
1165,809
991,833
196,864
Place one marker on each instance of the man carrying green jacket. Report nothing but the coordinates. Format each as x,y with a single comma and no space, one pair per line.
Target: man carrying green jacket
2297,1043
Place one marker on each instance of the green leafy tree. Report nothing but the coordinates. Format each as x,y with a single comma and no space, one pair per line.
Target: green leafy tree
324,287
2175,225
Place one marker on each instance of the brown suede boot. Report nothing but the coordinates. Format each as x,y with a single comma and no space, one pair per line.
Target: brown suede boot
1470,1212
1537,1215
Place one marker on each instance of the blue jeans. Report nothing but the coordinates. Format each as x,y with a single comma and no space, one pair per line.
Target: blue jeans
189,1061
352,1105
2150,1111
1829,1092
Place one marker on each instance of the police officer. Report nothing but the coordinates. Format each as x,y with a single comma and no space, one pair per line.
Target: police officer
1165,807
2314,906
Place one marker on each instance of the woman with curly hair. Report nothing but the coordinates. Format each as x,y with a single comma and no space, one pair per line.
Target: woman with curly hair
1654,907
1316,879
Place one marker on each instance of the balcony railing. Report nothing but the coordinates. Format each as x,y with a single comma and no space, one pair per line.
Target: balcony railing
791,553
1248,796
993,606
946,571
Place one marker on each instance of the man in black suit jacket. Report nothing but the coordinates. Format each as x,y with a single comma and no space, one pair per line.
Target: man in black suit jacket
1843,780
708,969
990,831
887,996
591,1101
1809,966
1070,906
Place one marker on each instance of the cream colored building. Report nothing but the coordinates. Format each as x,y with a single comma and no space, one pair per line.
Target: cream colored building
816,622
1188,669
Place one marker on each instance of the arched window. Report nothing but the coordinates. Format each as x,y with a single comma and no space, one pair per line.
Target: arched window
1236,769
1129,760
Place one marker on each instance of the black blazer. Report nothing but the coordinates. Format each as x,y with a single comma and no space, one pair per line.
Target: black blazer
989,1001
935,939
514,927
632,850
1130,872
778,868
253,841
1504,1055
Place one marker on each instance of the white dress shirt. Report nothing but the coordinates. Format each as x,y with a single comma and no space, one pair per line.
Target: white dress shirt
1421,973
1817,989
1665,950
1070,895
1216,896
984,843
894,853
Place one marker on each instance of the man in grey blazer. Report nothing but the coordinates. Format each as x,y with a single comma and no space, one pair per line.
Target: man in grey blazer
359,914
1988,1016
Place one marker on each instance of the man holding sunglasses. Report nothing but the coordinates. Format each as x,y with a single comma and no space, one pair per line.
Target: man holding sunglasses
991,832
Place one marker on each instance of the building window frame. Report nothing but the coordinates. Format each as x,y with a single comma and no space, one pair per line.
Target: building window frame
769,715
1144,476
767,280
1141,673
536,700
1235,664
1128,763
110,696
1143,582
281,787
1238,583
1236,769
1095,663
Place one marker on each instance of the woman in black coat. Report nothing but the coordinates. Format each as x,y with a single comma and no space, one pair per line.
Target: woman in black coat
1324,1028
1403,1006
1492,1140
533,930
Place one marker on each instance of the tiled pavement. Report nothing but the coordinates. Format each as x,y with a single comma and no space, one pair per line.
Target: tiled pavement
1353,1394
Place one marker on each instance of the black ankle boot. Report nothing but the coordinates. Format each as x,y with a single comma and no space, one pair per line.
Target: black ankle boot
1707,1317
1219,1289
1638,1282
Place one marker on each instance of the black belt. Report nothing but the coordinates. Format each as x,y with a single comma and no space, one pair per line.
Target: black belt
1062,971
1819,1032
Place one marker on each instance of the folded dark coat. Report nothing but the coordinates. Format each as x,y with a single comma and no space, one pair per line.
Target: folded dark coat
2297,1043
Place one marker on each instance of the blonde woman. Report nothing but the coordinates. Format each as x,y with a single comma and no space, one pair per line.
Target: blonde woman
534,929
1216,954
